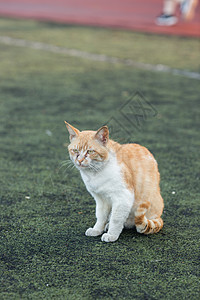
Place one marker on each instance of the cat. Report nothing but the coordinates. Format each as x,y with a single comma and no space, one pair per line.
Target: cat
123,180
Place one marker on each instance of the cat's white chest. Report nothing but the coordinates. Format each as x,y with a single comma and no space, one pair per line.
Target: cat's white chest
107,182
114,201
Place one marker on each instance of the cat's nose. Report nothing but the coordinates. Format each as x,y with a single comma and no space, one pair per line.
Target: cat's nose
80,160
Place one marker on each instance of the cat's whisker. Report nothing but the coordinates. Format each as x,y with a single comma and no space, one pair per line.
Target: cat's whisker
66,174
65,166
69,167
65,162
95,168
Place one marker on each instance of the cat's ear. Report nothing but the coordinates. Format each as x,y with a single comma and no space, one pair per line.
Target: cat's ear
73,132
102,135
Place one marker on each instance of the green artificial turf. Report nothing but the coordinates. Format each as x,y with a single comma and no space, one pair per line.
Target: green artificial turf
45,208
175,52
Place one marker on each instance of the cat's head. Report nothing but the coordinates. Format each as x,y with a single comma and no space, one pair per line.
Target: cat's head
88,149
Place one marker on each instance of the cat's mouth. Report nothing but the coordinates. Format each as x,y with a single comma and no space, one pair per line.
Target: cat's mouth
81,165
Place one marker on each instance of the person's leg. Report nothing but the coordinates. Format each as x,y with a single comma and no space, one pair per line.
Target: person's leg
168,18
169,7
188,8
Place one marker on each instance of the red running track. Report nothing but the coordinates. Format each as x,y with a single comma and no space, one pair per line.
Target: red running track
137,15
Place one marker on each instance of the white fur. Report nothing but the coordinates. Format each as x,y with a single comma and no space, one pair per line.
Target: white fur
114,201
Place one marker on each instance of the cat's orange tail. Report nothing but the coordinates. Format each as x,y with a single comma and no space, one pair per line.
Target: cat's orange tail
143,225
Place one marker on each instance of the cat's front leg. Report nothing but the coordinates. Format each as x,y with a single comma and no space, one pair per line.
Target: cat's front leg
119,215
102,214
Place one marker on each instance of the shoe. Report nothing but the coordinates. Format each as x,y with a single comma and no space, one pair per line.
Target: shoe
166,20
188,9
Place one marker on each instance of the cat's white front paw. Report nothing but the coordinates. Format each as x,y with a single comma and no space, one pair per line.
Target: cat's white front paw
92,232
106,237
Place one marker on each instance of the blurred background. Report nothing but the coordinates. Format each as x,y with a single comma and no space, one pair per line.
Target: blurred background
128,14
134,66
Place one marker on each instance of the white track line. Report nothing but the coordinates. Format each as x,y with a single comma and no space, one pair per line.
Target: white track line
96,57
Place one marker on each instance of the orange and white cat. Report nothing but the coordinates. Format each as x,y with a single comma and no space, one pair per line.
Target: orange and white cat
123,179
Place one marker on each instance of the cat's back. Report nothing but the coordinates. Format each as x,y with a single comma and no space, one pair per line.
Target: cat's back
134,155
139,167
